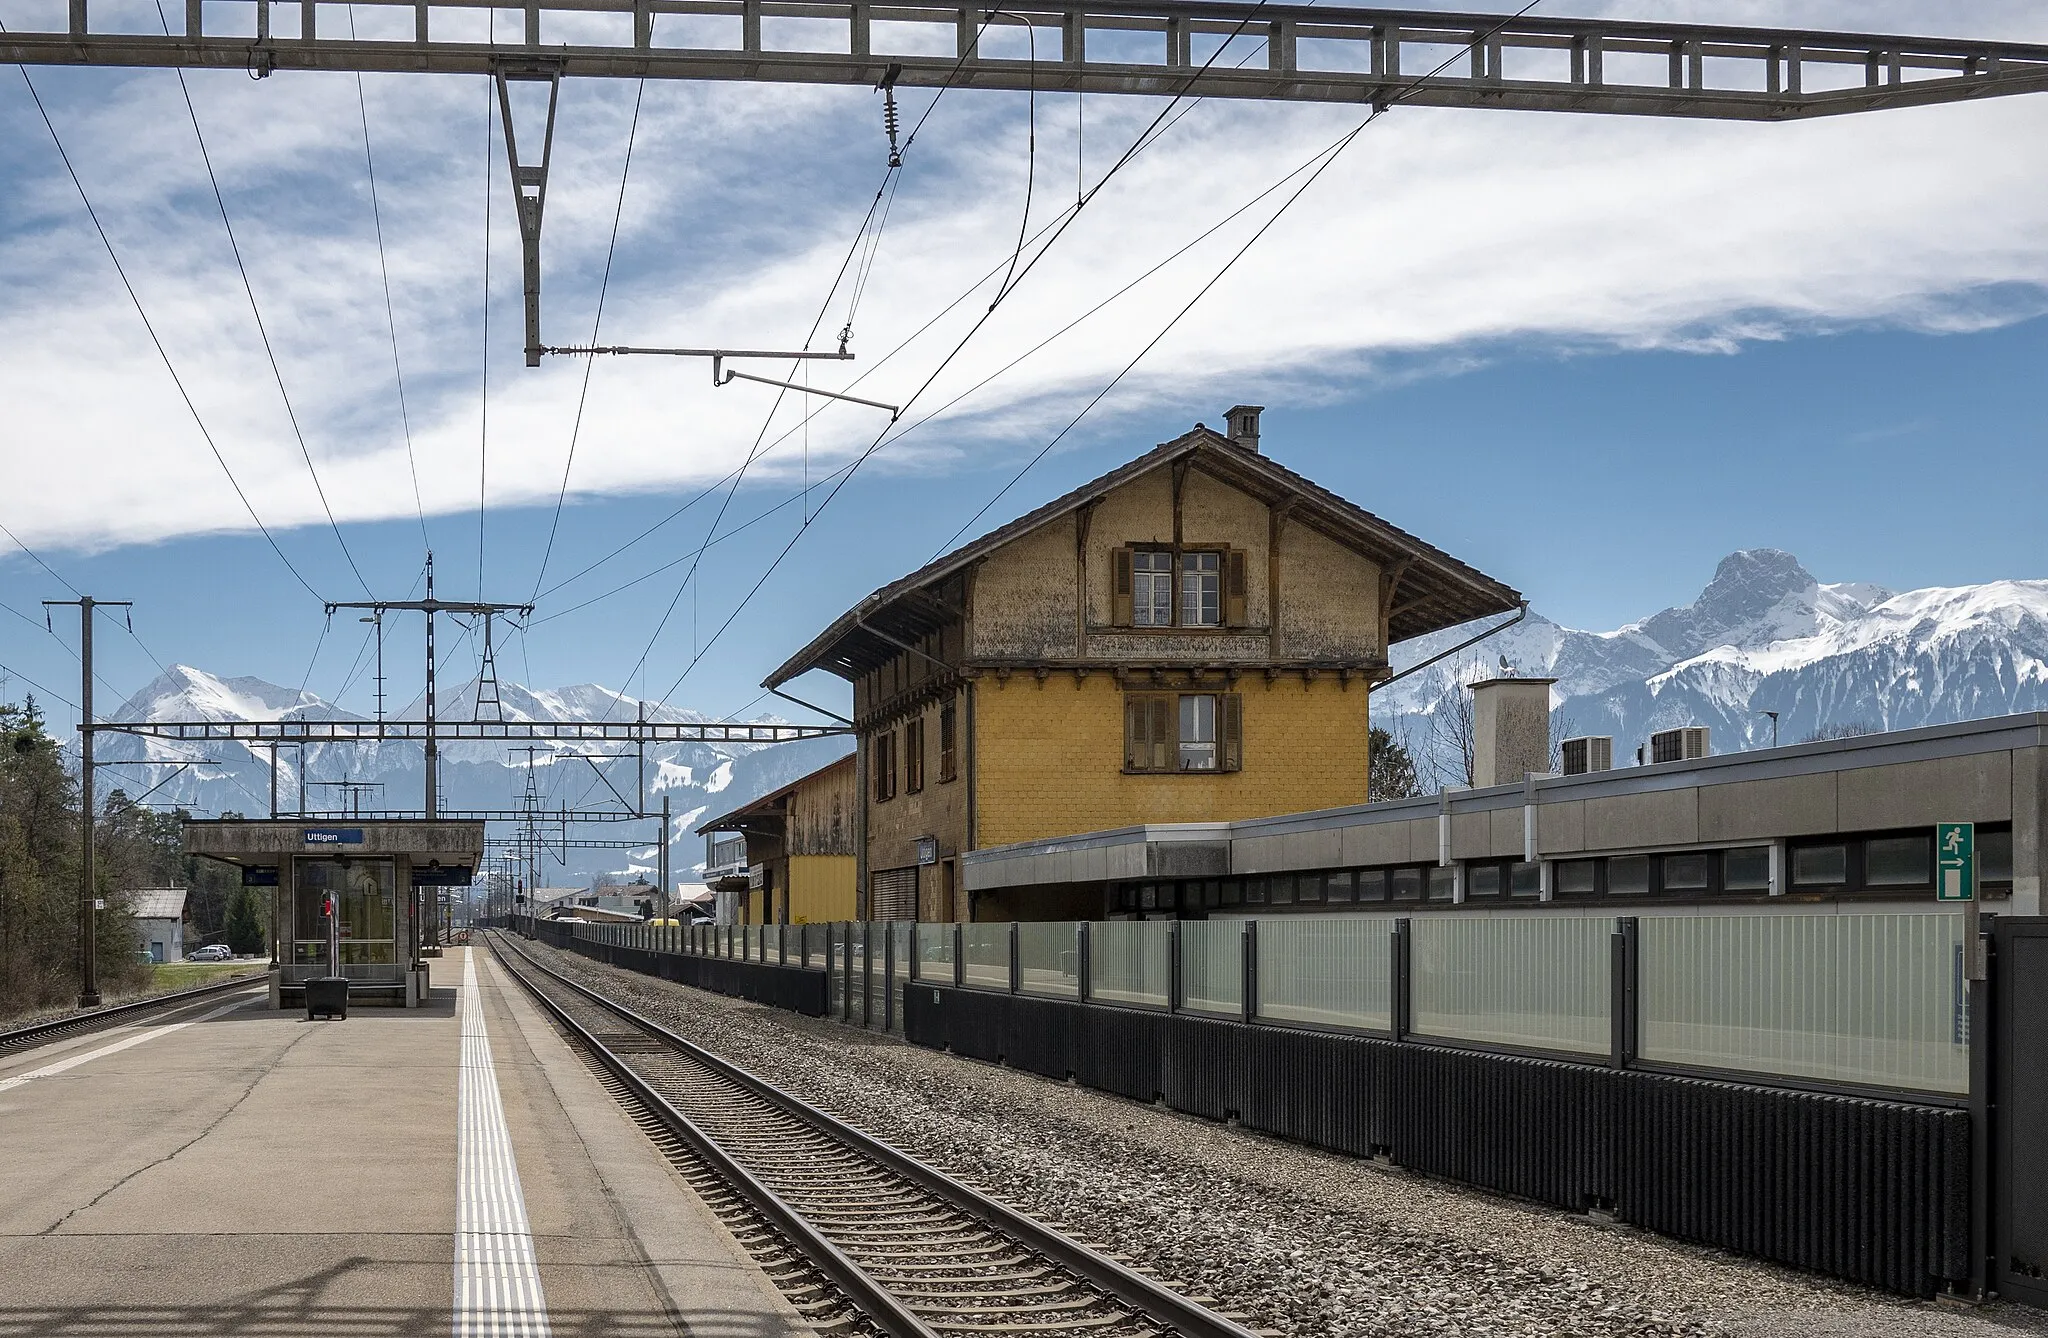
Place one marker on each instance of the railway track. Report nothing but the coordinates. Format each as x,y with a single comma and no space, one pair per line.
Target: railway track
901,1248
25,1038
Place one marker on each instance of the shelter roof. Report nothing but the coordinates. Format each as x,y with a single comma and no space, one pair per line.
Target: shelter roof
1436,590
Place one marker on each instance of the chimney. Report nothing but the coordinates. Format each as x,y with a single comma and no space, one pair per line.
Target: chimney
1244,426
1510,730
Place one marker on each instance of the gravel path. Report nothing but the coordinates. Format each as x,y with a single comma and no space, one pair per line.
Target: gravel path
1305,1243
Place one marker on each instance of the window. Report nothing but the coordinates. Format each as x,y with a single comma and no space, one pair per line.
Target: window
1685,873
1628,876
1151,588
1407,884
1201,589
1254,891
882,762
1232,892
1372,885
1173,587
1482,880
1197,731
1525,880
1898,861
1341,886
913,756
1577,877
1443,883
1280,888
1311,886
949,744
1820,866
1747,869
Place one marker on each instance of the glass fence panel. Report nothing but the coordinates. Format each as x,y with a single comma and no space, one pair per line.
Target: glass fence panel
1539,981
1130,961
857,978
901,937
833,956
1212,966
1049,959
1872,999
935,953
1329,971
986,953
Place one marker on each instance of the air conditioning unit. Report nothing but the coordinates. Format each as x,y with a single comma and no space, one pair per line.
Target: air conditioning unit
1593,752
1679,745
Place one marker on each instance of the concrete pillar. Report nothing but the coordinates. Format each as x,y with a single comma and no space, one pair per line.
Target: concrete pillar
1510,730
2029,829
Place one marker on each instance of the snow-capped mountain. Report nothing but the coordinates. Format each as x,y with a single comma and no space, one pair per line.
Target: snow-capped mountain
1766,636
698,779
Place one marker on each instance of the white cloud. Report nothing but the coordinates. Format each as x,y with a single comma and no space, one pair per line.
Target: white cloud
1439,234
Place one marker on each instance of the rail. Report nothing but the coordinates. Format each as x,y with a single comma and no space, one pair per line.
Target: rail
43,1032
1147,1298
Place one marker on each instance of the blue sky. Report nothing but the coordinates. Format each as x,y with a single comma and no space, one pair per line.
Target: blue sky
1588,355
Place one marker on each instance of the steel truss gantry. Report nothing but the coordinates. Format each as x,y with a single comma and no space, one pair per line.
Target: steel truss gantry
460,731
1286,52
1310,54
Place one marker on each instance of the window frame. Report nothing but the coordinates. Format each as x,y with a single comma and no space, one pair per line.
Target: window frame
913,755
949,743
1182,572
1231,577
882,765
1149,579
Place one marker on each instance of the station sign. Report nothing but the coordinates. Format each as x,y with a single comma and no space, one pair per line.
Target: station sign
259,875
334,836
927,850
1955,861
445,875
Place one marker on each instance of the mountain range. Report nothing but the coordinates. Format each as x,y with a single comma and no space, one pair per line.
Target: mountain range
1763,636
698,779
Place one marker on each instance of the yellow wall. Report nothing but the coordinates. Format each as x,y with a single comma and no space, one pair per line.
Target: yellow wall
820,888
1052,754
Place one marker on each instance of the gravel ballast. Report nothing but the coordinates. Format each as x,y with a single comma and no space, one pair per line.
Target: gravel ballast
1303,1243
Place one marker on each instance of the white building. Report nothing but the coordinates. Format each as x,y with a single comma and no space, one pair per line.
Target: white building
160,921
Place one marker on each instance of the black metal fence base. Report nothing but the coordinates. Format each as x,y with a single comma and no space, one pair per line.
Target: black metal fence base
798,989
1872,1191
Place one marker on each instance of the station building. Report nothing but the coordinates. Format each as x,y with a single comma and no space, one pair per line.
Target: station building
384,876
1845,824
1190,637
788,857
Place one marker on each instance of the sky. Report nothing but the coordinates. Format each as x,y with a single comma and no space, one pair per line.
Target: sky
1589,355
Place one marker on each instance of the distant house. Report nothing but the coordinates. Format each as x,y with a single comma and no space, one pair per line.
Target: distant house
788,857
160,922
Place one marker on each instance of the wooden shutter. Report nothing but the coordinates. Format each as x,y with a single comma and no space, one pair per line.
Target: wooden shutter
1230,730
1164,731
1120,587
1233,588
1137,749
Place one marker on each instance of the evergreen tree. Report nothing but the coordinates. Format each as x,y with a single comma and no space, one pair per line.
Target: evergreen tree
1390,768
244,929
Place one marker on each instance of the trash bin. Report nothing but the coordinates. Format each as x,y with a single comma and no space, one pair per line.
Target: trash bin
327,996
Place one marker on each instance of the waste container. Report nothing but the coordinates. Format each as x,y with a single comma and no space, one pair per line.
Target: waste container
327,996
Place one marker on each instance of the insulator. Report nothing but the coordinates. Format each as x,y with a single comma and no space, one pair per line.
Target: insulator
889,124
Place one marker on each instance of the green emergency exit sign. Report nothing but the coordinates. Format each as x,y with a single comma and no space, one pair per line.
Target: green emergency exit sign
1955,861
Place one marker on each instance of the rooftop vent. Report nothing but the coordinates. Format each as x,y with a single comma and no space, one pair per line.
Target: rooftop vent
1244,426
1688,744
1592,752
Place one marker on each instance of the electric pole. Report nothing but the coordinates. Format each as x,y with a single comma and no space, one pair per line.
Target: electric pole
431,606
88,897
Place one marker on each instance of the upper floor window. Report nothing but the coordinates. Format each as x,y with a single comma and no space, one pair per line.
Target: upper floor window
882,763
1151,588
949,744
913,756
1177,587
1201,589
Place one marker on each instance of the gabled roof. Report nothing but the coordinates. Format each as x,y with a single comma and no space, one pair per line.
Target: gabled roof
1436,590
724,821
157,903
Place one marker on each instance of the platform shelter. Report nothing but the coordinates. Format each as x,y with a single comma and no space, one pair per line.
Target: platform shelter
383,876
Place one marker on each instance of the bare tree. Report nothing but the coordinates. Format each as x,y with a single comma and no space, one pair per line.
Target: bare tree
1451,746
1562,727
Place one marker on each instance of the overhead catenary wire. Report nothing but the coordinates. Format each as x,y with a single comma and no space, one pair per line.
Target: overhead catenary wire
155,341
390,317
263,331
596,324
483,439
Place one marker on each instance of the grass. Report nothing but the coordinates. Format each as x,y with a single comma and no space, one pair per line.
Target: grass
188,975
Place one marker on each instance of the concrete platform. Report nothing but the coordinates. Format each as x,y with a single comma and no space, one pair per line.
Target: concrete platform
234,1170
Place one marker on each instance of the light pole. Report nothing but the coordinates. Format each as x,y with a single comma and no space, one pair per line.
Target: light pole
1774,727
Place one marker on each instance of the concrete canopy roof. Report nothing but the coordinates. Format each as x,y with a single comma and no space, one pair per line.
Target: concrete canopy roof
265,841
1436,590
729,822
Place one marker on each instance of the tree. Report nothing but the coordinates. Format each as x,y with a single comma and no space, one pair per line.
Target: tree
244,929
1853,729
1390,766
1451,746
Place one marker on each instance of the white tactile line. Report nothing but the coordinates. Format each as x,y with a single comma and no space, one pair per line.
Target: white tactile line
51,1070
497,1281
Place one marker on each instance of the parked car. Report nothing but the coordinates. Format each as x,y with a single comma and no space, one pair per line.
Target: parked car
212,952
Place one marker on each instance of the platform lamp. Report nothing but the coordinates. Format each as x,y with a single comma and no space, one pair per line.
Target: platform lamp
1774,726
